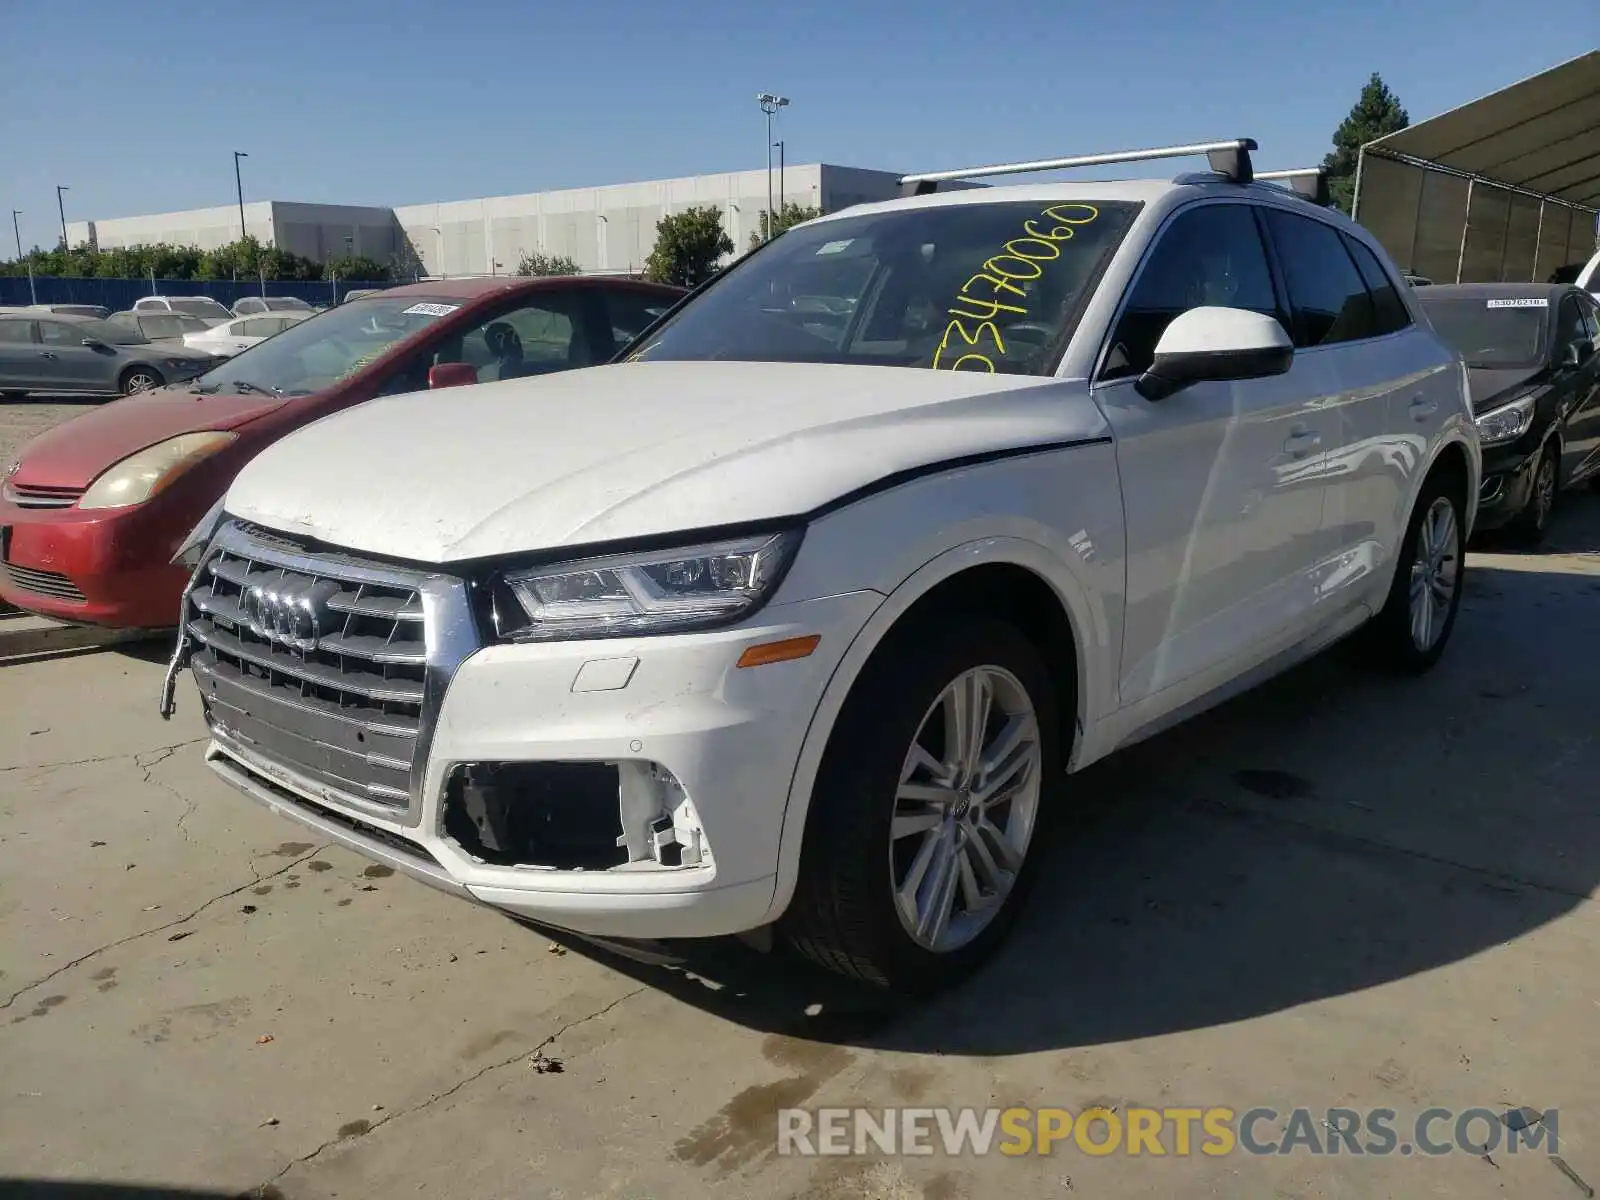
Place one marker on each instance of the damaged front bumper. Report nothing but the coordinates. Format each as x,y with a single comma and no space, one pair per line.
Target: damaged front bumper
632,789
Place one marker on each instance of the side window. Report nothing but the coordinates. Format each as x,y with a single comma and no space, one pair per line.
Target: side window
1591,317
1389,313
15,332
536,338
53,333
1569,325
1211,255
255,327
1330,302
632,313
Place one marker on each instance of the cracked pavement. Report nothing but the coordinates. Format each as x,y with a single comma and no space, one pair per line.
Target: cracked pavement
1337,891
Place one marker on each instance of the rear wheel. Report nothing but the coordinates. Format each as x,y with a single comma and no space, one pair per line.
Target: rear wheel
1409,634
921,838
1528,527
139,379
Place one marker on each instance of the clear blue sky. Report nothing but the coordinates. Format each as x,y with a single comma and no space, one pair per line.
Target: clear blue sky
138,106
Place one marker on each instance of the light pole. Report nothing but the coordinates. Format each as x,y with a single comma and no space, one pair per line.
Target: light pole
238,183
770,104
17,230
781,195
62,209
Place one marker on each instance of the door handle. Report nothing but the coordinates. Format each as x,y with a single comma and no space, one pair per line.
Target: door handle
1422,407
1301,443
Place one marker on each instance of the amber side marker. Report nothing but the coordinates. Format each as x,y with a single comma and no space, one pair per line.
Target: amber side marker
776,652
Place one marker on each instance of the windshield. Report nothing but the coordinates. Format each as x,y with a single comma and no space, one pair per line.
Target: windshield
287,304
121,331
319,351
169,325
957,287
1498,333
199,307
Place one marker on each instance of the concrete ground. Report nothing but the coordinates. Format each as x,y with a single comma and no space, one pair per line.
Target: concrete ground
1337,891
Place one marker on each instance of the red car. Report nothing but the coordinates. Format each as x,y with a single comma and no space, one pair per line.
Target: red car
93,511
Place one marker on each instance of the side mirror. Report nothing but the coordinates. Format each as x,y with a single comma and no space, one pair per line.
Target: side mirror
1577,353
455,374
1215,344
94,344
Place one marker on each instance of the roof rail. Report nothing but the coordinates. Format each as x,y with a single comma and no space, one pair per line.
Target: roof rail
1230,158
1310,182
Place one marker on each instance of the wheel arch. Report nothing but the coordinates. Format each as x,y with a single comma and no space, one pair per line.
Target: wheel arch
1016,578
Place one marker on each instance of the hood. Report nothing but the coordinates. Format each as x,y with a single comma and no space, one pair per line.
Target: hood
1491,388
74,453
632,450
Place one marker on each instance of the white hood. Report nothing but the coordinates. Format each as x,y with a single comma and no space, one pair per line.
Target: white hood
631,450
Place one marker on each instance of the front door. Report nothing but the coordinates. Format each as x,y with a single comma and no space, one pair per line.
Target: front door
69,365
1576,331
19,356
1220,481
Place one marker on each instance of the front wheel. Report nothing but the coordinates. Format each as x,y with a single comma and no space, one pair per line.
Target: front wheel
139,379
1410,632
921,839
1528,527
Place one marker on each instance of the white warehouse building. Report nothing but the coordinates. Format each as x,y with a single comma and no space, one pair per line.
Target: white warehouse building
607,229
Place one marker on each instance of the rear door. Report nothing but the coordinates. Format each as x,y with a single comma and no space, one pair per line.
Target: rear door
1579,327
1221,481
19,356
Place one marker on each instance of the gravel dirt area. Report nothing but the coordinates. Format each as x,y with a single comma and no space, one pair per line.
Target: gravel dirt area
1336,891
24,420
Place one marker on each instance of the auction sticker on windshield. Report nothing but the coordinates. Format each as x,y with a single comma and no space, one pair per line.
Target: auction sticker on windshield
429,310
1521,302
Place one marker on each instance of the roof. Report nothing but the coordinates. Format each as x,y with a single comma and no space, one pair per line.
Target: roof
1541,134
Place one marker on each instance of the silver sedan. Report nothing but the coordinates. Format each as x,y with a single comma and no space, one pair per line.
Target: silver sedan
60,353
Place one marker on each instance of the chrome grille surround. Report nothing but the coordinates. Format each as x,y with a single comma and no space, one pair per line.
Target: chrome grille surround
329,666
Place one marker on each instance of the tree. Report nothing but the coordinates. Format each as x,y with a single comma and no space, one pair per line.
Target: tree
789,213
1375,114
688,247
356,267
548,264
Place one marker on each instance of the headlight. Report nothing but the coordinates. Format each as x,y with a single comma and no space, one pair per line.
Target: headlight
628,594
139,476
185,364
1506,423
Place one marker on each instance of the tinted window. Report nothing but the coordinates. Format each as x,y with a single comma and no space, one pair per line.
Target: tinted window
534,339
1494,332
1569,325
1388,310
987,286
1330,302
53,333
199,308
632,313
164,325
1210,255
1591,318
12,332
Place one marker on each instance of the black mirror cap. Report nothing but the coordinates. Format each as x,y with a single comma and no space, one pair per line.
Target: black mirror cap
1171,373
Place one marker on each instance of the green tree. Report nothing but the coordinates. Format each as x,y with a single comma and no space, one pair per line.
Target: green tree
688,246
356,267
548,264
1375,114
789,213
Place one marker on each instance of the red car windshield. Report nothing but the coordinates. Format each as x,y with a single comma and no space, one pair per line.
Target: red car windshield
322,350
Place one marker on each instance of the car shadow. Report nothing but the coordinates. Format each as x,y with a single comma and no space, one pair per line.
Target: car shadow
65,1189
1329,832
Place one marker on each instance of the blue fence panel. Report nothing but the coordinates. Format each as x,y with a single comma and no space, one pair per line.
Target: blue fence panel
119,294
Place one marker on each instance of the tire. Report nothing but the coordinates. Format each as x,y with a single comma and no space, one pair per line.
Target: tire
1388,642
844,914
1529,526
139,379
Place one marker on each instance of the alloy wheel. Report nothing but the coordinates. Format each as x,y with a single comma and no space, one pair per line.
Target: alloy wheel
1434,573
965,808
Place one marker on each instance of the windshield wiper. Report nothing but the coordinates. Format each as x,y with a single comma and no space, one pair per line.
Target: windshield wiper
244,385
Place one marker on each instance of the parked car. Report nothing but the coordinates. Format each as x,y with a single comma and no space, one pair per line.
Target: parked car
1535,382
161,326
95,507
358,293
242,332
61,353
800,614
196,306
73,310
251,305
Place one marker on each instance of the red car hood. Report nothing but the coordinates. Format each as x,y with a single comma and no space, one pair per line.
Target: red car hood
74,453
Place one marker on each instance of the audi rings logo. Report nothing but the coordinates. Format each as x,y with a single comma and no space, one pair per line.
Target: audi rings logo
291,612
